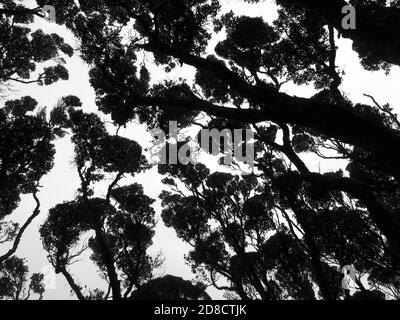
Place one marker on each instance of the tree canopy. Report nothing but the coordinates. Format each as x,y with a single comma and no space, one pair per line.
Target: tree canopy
282,232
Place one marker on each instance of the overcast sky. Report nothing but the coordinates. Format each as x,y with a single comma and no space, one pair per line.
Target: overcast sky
62,182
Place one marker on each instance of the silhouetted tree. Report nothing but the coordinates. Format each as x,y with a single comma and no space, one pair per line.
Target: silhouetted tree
120,224
229,222
23,50
258,58
26,147
273,234
376,36
170,288
26,155
14,284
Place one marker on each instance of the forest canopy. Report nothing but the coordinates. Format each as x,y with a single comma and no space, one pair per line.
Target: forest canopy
281,232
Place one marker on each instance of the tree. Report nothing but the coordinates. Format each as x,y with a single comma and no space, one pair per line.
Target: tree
120,224
170,288
239,85
22,49
279,232
303,51
26,148
242,83
336,232
228,221
26,155
376,35
270,104
14,282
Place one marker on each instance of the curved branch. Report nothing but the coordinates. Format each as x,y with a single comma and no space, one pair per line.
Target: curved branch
22,11
72,284
22,230
383,216
337,121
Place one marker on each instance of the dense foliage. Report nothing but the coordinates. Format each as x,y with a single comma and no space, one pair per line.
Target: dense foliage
282,232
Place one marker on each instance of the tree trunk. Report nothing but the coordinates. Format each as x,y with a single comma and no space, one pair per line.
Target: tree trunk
109,263
72,284
313,251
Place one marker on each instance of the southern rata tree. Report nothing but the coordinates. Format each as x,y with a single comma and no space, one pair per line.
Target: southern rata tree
26,147
244,79
14,284
22,50
119,225
26,155
235,234
170,288
240,82
275,236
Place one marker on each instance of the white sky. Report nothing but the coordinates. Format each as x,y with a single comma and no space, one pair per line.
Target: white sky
62,182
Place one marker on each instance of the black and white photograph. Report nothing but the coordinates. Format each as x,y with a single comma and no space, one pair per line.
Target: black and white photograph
222,152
